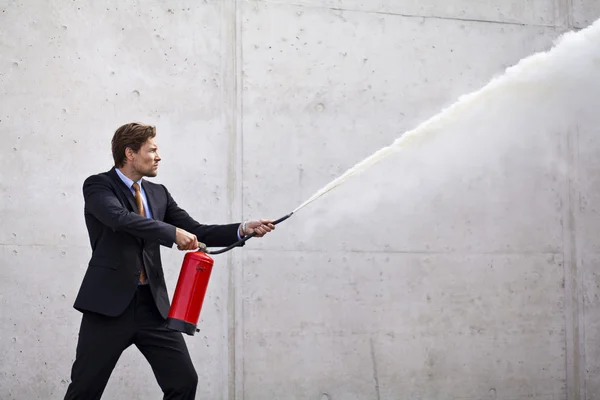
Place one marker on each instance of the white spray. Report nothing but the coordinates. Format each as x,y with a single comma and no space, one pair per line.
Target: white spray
581,45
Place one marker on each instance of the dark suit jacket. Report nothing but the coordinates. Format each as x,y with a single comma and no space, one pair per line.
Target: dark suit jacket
122,240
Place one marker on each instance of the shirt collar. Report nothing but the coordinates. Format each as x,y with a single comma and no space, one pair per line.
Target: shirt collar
126,180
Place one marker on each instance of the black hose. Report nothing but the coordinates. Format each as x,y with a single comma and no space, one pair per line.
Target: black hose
239,242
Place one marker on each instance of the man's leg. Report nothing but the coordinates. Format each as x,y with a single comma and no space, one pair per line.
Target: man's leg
101,342
166,352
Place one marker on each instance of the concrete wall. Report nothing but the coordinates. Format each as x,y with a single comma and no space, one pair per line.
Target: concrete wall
479,284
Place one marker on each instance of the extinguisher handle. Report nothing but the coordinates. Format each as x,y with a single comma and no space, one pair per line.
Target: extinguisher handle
239,242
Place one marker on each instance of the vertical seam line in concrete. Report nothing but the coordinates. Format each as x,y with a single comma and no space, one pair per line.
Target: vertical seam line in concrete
231,103
571,275
239,273
561,14
375,372
580,271
569,11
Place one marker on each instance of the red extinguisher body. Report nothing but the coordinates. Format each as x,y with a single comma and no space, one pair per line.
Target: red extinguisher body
189,292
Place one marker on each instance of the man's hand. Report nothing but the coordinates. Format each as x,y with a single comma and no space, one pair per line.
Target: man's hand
261,227
185,240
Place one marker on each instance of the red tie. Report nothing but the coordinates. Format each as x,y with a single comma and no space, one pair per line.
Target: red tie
140,206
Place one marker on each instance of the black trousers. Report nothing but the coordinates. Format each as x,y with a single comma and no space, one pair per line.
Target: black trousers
103,339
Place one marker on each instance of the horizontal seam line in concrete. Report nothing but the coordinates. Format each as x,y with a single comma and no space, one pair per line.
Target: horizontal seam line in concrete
43,245
466,253
387,332
489,21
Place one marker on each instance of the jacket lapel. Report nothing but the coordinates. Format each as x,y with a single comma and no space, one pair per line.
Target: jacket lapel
150,196
124,189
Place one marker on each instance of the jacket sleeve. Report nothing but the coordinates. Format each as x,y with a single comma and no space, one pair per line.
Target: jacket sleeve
210,235
102,203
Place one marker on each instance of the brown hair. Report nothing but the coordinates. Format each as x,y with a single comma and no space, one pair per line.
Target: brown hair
131,135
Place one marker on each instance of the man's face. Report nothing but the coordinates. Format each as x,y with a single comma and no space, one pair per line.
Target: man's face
145,161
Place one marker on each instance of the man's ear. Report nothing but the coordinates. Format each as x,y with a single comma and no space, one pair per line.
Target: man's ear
129,153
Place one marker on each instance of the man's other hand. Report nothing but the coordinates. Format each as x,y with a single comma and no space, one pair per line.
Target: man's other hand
261,227
185,240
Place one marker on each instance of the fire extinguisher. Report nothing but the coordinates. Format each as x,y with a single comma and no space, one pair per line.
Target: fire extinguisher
189,292
192,284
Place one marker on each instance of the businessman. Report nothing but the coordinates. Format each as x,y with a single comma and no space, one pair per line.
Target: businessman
123,297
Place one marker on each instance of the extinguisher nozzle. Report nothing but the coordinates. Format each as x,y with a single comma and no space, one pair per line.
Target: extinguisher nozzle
282,218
